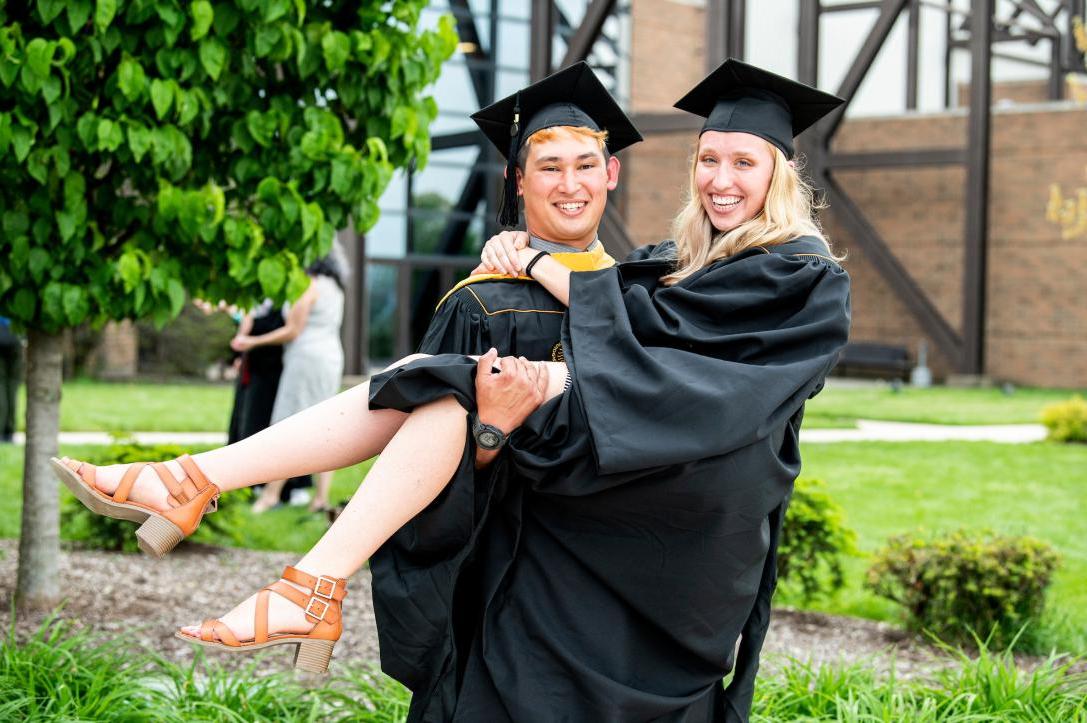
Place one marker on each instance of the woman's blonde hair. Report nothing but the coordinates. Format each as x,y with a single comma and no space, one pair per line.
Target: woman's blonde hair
785,215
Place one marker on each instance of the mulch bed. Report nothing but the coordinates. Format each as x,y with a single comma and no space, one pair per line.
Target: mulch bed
140,602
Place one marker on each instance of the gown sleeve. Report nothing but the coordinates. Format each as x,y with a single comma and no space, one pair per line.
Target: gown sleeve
707,366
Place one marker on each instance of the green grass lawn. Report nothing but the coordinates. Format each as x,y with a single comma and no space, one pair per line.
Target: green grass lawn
892,488
90,406
838,406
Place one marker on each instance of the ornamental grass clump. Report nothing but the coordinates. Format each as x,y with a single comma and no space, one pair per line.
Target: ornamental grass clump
962,586
814,539
1066,421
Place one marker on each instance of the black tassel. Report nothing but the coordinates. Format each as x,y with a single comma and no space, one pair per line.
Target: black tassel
508,208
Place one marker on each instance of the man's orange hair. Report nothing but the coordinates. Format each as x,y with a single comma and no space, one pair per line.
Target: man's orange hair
556,132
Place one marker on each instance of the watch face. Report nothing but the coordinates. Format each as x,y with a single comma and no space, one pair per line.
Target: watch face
489,440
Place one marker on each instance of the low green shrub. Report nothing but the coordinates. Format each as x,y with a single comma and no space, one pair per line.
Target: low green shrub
962,585
813,541
93,531
1066,421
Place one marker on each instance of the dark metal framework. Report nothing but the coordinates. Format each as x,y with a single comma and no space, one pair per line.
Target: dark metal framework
976,29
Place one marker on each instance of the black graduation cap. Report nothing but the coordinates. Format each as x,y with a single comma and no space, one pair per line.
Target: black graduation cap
743,98
573,96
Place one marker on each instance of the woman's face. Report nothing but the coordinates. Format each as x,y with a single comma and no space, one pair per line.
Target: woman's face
732,175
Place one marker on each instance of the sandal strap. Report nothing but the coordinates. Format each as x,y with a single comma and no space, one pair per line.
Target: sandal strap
260,617
170,483
127,480
212,627
329,588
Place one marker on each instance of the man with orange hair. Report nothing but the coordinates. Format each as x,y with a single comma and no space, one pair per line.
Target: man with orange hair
429,579
558,136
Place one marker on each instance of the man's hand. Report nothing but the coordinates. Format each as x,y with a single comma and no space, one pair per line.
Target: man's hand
506,398
500,255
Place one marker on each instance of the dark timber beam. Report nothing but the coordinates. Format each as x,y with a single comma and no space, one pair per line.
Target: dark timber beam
466,29
898,278
913,41
581,44
886,159
542,26
977,190
888,14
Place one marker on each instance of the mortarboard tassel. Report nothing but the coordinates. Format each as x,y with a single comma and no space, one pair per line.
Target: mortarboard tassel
508,211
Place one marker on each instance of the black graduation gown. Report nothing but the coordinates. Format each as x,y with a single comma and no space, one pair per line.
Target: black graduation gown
516,316
624,542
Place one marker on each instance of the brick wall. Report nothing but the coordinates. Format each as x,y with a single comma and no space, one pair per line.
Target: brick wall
1036,322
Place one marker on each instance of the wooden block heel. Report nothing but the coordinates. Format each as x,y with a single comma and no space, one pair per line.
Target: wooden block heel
313,655
157,536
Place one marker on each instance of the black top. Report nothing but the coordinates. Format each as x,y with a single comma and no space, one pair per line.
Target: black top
625,539
743,98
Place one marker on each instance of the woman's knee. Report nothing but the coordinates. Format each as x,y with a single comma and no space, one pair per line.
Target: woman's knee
406,360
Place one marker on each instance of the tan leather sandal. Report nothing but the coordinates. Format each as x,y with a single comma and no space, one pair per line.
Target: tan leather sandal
322,606
189,499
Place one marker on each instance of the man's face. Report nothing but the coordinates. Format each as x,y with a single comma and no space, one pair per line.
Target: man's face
565,185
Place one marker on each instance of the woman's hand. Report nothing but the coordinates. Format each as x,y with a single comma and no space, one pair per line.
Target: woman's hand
500,253
242,343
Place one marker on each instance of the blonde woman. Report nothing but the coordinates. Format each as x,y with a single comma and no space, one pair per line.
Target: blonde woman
624,540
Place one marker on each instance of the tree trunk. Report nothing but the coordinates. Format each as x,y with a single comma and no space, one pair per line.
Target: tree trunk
38,586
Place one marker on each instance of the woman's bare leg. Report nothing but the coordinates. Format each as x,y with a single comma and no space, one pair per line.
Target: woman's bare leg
336,433
401,484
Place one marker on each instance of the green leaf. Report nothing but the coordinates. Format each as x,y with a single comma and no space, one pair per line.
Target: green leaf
51,89
275,9
79,11
62,159
130,270
9,71
139,141
130,78
268,190
103,14
87,130
67,224
76,304
366,214
202,17
272,275
337,48
24,304
213,57
53,303
162,95
49,9
261,126
39,56
176,292
298,283
37,262
20,142
187,107
15,223
37,165
312,218
110,135
5,133
268,38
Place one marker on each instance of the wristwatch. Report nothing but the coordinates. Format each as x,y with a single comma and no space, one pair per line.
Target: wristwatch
488,436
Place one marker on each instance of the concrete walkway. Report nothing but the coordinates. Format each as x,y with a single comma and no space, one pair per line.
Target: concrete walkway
866,431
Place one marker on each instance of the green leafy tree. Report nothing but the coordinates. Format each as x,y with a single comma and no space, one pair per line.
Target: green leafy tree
155,149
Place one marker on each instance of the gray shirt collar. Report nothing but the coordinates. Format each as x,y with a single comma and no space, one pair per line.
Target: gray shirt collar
553,248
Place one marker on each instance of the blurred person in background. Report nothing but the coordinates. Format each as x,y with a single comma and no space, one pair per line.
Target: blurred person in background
312,359
11,372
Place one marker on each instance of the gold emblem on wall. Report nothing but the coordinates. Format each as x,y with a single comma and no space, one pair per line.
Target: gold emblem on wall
556,353
1070,211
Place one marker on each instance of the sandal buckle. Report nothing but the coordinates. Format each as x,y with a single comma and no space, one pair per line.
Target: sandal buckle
329,582
317,601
